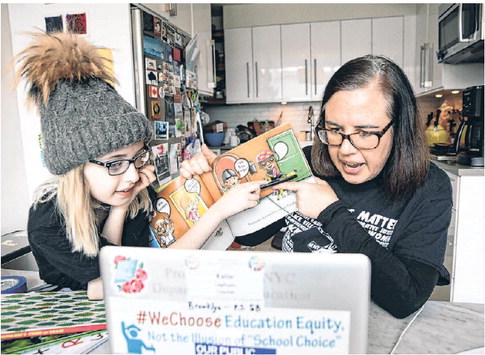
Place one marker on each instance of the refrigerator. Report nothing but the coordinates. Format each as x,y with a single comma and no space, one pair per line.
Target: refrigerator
119,27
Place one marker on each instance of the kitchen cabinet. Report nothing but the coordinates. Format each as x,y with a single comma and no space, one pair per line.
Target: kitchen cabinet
206,63
326,56
310,55
467,238
296,62
432,75
253,64
239,65
388,38
267,63
356,38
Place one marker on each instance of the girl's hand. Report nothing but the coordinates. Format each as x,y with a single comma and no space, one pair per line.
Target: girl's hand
311,199
198,164
147,177
239,198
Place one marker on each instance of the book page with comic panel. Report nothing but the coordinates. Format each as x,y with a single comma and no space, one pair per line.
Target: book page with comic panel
179,205
275,156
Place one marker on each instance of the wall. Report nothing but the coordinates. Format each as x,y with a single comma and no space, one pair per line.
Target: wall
270,14
294,113
14,196
27,17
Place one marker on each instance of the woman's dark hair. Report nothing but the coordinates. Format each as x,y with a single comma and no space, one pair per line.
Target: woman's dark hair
407,165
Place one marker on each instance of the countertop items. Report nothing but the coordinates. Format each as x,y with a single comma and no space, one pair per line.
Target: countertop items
14,245
459,170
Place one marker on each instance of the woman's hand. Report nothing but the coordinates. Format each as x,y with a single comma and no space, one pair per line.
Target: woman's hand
311,199
198,164
239,198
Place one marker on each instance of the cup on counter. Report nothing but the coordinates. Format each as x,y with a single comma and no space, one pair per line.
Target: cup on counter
234,141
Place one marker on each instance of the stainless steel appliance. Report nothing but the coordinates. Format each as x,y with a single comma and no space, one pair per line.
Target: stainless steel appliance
469,138
460,33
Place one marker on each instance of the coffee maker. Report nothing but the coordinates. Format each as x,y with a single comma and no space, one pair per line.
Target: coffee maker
468,142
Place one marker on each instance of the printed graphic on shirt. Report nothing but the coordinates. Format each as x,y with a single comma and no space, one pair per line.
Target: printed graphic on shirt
306,234
378,226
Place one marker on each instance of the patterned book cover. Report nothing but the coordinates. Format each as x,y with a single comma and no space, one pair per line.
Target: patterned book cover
49,313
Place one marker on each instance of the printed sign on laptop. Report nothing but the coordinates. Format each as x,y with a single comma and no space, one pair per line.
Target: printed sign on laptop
235,302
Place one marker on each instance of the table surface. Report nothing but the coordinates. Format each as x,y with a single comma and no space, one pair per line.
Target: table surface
440,327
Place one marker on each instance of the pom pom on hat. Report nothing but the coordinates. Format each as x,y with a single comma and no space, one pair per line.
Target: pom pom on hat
82,115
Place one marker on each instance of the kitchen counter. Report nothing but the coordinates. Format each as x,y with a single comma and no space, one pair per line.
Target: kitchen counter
459,170
440,327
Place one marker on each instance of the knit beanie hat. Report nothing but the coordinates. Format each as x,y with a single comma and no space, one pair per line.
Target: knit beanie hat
82,115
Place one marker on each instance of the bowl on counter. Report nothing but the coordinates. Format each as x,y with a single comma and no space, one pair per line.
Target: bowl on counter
214,139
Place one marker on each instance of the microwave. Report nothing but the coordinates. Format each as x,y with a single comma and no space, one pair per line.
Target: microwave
460,33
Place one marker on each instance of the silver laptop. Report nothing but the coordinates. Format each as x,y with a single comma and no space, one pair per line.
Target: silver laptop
235,302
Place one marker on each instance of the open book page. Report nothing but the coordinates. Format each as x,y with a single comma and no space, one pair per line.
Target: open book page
270,209
271,156
179,205
274,156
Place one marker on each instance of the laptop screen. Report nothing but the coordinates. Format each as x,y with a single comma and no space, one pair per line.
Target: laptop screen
235,302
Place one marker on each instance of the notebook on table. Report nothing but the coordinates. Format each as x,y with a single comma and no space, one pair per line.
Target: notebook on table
235,302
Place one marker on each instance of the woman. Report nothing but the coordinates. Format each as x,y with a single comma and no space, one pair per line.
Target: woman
96,146
376,192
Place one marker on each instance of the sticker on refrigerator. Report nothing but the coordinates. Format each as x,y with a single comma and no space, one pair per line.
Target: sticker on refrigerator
150,64
151,77
155,111
161,129
152,91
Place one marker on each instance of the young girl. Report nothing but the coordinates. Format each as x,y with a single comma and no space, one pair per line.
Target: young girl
96,148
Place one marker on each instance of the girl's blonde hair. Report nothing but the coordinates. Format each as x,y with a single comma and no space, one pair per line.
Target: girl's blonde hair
76,205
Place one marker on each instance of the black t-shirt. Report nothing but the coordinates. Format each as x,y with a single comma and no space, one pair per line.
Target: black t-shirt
405,239
58,264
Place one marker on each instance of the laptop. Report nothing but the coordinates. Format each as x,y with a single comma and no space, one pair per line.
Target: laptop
234,302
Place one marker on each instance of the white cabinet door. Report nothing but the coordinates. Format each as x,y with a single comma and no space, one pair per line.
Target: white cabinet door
325,48
239,65
356,39
437,70
295,61
388,38
205,44
469,246
205,64
267,63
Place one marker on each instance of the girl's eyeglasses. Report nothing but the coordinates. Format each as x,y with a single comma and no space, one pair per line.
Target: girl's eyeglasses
120,166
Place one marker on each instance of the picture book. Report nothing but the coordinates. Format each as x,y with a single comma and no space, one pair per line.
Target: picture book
274,156
50,313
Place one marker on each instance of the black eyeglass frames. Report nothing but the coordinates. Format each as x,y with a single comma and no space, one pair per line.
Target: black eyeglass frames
363,140
120,166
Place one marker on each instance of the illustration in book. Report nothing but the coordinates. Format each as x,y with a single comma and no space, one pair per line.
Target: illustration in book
274,156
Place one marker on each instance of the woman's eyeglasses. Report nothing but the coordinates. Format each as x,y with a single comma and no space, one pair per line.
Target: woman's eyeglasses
363,140
120,166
